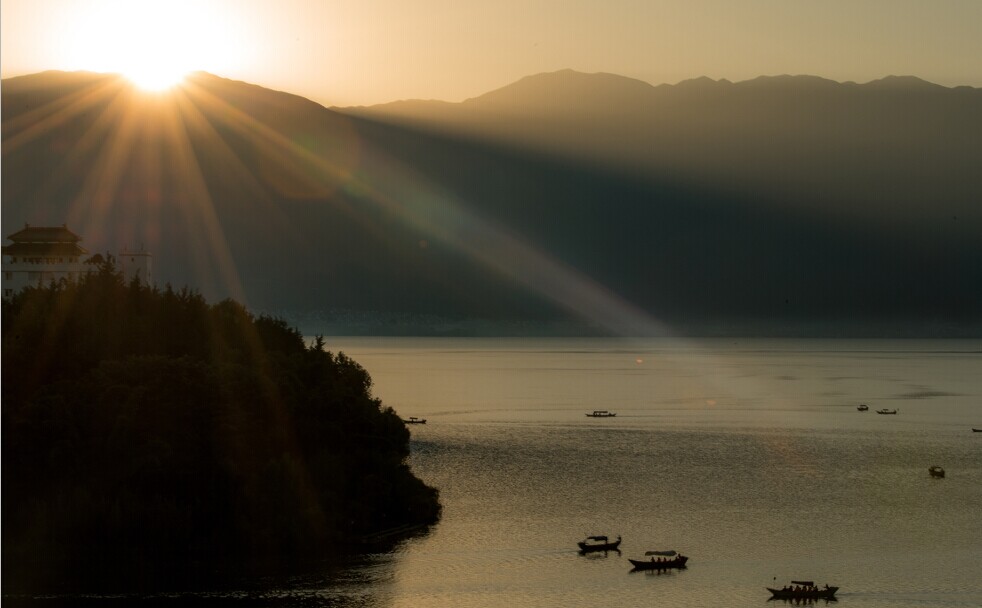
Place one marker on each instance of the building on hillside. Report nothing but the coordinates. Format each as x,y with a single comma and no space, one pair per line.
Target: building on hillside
136,264
43,254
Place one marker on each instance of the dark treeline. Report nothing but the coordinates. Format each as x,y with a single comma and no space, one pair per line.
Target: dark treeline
148,429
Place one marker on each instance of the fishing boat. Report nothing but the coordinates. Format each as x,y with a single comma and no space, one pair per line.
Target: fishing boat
936,471
863,407
414,420
803,590
598,543
886,411
601,414
660,560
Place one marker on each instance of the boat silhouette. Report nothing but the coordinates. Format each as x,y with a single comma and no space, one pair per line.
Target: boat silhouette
677,560
598,543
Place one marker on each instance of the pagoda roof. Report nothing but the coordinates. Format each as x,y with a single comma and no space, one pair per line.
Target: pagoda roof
44,234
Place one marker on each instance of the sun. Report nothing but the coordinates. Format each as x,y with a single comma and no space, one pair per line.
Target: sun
153,43
156,80
155,73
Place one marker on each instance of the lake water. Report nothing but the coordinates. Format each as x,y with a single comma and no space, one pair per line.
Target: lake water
748,456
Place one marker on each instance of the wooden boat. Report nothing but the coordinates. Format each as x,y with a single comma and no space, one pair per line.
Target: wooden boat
660,560
936,471
598,543
863,407
414,420
803,590
601,414
886,411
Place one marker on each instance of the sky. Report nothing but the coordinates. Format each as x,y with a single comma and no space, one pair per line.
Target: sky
363,52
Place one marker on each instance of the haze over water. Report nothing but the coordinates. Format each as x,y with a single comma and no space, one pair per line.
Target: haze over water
748,456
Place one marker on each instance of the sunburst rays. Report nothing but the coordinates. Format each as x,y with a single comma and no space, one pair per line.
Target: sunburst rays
150,152
144,153
149,167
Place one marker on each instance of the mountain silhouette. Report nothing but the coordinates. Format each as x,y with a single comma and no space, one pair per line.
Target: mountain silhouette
895,150
563,203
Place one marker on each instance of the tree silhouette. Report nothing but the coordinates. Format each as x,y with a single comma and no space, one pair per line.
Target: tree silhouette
145,428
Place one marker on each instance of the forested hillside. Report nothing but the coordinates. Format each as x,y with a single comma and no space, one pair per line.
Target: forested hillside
147,429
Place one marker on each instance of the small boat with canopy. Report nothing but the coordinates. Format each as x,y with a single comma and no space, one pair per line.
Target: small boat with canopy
598,543
601,414
936,471
803,590
660,560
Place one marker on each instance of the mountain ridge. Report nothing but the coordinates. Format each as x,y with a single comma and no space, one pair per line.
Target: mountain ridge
298,209
773,134
896,81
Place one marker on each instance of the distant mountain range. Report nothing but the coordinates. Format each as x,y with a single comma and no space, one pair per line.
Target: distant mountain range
564,203
897,149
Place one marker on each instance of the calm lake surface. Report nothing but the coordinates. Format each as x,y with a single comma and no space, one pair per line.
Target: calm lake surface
748,456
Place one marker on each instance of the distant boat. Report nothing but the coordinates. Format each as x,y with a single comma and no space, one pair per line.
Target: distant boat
660,560
414,420
598,543
803,590
885,411
977,430
601,414
936,471
863,407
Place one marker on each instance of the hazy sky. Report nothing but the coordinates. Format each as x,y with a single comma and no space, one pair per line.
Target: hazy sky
370,51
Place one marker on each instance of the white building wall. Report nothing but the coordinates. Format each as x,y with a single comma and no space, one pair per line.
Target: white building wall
19,273
136,264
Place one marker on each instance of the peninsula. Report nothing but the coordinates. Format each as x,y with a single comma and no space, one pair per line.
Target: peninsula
148,431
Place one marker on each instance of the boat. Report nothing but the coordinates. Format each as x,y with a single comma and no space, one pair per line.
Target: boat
660,560
886,411
598,543
936,471
974,430
414,420
601,414
863,407
803,590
